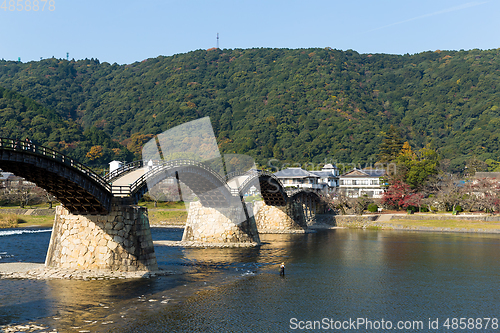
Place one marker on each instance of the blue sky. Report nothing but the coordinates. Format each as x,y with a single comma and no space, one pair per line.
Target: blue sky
128,31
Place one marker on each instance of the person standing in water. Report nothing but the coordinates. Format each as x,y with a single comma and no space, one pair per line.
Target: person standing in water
282,269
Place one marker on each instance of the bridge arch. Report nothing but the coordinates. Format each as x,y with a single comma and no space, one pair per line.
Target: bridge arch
302,195
210,188
77,187
272,190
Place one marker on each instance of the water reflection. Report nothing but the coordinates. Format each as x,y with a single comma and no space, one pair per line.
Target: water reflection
22,300
346,274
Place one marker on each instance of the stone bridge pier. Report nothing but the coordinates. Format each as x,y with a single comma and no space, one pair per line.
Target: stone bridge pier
221,226
118,241
290,218
294,217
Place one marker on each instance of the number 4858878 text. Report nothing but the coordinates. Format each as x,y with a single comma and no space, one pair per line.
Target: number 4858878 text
28,5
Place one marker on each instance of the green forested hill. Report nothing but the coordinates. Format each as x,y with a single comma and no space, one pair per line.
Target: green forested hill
301,105
22,117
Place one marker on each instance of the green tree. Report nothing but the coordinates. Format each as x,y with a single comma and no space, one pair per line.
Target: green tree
416,168
391,146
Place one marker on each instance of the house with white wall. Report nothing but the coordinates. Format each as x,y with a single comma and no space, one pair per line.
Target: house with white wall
356,183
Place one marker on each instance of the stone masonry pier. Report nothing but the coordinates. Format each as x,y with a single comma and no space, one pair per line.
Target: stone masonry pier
279,219
119,241
222,226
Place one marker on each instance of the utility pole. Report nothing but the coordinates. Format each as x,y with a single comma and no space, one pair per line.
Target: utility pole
217,40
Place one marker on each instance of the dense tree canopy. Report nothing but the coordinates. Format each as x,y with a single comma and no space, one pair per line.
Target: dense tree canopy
300,105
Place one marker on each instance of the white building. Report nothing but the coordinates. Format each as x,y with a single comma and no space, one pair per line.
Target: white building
356,183
114,165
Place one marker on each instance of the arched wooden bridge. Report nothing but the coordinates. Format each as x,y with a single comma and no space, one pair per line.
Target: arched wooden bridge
82,191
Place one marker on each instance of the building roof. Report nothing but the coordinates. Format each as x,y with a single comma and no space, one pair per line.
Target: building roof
494,175
295,173
365,173
323,173
328,167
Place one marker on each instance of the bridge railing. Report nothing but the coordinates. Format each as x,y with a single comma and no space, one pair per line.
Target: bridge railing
123,169
163,165
120,190
260,173
234,174
292,192
34,149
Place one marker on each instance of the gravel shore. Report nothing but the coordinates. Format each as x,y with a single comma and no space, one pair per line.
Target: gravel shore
188,244
40,272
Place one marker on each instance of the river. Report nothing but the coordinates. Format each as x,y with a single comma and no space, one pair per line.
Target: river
344,279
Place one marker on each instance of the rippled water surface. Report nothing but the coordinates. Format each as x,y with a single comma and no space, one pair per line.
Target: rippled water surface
337,274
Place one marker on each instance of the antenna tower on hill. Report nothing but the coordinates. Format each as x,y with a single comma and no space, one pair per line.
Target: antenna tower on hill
217,40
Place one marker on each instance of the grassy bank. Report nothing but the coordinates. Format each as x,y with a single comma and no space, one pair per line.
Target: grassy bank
449,223
166,213
9,221
164,205
166,217
21,221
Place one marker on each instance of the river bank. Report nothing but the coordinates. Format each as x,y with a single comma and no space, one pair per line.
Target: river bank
470,223
175,217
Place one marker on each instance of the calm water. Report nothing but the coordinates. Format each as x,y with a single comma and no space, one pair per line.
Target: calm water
338,275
